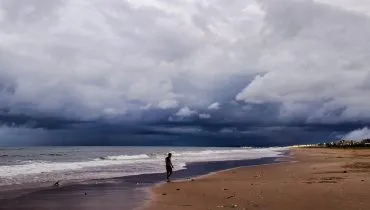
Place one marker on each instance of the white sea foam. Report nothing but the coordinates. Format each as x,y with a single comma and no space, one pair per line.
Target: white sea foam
36,167
230,154
125,157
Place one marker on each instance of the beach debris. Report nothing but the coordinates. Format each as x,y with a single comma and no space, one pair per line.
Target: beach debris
344,171
328,182
231,206
192,180
309,182
331,178
231,196
164,193
56,184
224,189
177,189
362,180
85,193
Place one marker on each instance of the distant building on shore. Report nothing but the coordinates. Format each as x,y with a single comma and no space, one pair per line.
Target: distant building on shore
339,144
346,143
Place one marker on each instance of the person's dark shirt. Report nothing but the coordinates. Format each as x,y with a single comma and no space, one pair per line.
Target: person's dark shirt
168,162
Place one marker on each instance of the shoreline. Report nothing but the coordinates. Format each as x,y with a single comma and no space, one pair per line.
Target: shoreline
278,160
275,160
335,179
152,195
136,189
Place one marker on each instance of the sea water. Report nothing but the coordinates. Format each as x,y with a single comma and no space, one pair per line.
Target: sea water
37,165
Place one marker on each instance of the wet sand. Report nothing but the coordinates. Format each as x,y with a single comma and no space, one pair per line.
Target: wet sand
311,179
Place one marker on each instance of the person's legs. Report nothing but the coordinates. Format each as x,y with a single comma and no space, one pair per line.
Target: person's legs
169,173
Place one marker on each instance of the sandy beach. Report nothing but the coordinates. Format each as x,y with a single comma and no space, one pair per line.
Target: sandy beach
310,179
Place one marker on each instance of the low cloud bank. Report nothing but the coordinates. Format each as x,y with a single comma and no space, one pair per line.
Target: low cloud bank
357,135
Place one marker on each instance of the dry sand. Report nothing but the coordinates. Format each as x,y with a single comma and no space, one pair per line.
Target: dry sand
314,179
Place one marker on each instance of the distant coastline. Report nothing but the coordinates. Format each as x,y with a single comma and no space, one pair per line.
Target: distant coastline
360,144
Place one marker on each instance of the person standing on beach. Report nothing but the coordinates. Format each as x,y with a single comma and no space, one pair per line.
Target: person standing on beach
169,166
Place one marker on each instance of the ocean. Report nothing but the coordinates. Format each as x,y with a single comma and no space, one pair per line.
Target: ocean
49,164
118,169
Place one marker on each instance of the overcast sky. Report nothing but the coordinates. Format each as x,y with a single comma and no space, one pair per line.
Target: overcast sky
186,72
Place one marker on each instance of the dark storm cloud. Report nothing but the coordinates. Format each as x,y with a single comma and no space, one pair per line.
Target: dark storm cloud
36,122
179,133
186,70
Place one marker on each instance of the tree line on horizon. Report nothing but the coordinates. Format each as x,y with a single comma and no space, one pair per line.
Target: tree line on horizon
346,144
